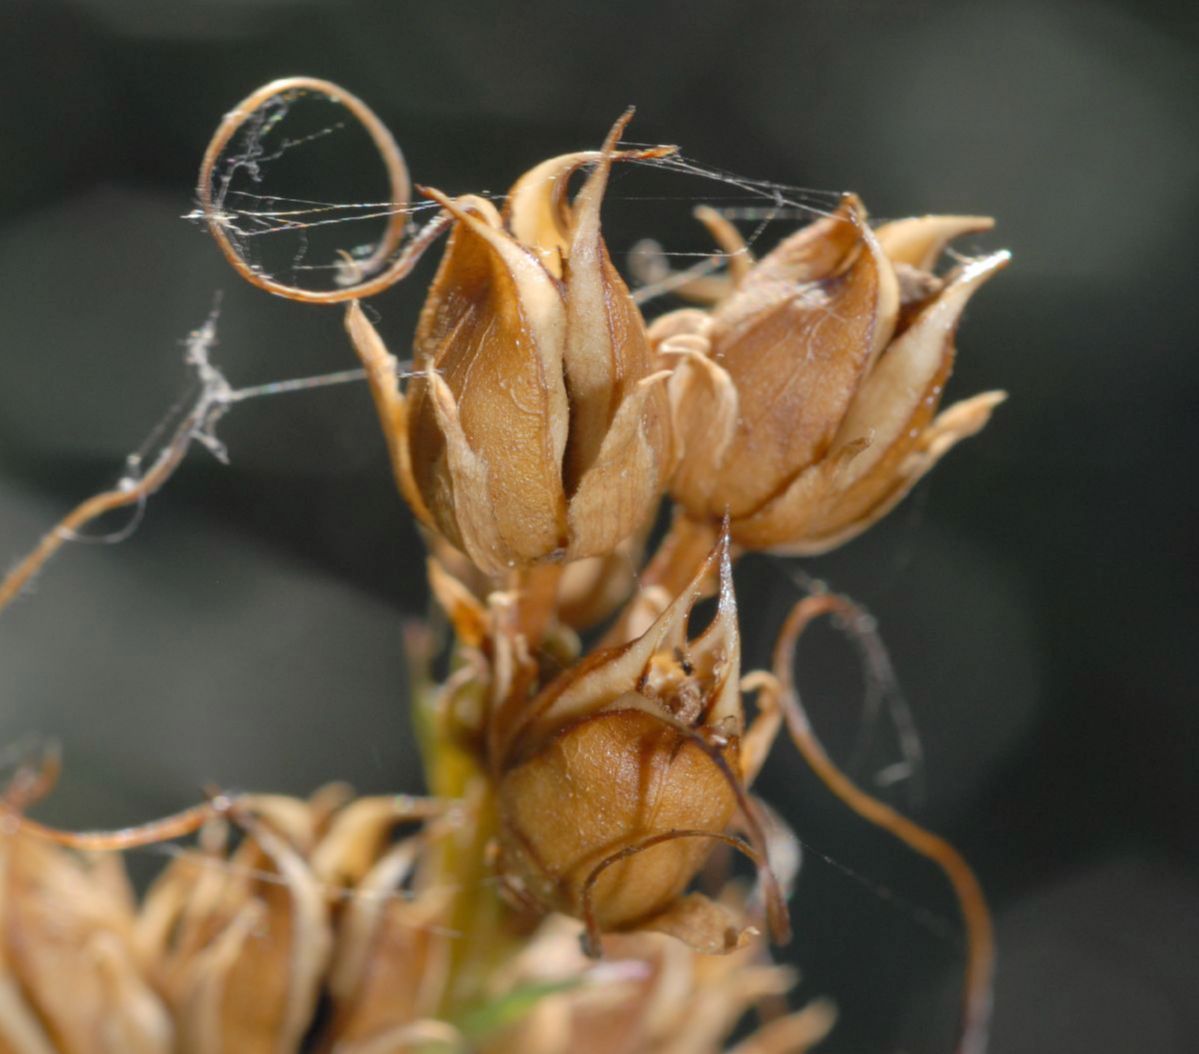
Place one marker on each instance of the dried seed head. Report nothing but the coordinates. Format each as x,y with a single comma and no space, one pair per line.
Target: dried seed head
240,950
804,403
70,975
203,965
242,944
617,780
538,429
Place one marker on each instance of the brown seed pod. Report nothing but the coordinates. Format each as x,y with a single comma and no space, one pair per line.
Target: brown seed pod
822,366
615,782
537,428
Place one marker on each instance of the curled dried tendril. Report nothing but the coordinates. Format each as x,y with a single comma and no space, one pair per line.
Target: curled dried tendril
34,777
362,278
980,937
139,483
149,469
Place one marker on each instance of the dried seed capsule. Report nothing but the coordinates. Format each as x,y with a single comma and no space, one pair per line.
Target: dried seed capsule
539,429
804,403
240,952
616,781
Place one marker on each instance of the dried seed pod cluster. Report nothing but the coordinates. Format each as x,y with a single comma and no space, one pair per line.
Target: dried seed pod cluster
803,403
802,408
319,932
543,424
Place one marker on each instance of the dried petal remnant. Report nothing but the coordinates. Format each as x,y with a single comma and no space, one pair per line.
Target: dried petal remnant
241,950
654,997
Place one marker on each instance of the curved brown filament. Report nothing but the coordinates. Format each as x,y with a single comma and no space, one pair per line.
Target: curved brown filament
128,492
397,175
592,933
980,939
882,685
176,826
776,907
25,789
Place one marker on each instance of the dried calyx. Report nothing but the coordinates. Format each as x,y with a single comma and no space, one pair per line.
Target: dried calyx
538,428
823,368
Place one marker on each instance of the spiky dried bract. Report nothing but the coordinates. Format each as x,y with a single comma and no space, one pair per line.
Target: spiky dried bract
232,949
538,429
805,401
240,949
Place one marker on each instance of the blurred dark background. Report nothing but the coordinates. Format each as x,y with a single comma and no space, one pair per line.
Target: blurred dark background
1037,593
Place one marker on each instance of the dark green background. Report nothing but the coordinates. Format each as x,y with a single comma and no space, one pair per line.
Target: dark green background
1038,593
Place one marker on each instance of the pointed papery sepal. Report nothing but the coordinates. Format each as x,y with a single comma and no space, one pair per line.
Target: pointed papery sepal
900,395
625,477
390,404
919,241
488,421
607,353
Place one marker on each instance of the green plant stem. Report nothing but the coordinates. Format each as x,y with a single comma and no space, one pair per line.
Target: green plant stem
477,915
